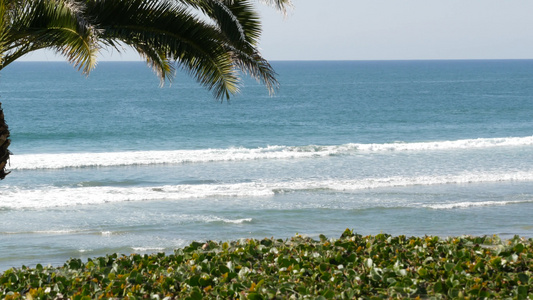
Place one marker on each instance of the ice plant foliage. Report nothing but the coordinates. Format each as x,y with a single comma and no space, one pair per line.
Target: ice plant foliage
351,267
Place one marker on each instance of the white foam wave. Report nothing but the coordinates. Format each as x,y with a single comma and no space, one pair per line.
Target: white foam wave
57,197
13,198
45,232
146,249
238,221
65,231
132,158
210,219
469,204
446,145
400,181
230,221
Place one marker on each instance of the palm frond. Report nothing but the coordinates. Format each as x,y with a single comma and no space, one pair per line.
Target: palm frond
163,31
225,20
247,57
248,19
3,26
257,67
55,24
158,60
281,5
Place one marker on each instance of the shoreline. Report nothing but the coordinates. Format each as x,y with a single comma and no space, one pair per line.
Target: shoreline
350,266
166,251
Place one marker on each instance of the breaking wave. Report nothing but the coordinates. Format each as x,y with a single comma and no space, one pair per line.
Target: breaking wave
135,158
470,204
51,196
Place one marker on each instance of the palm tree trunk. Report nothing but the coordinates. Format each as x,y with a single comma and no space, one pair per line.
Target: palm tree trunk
4,143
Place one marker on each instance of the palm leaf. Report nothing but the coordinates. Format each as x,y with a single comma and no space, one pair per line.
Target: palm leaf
163,32
55,24
281,5
212,51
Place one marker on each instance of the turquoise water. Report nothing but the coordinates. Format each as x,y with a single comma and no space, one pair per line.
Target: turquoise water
113,163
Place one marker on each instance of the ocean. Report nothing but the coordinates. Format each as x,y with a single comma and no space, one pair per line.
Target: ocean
113,163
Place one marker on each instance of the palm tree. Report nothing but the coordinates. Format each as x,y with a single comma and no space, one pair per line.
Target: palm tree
4,143
26,26
213,40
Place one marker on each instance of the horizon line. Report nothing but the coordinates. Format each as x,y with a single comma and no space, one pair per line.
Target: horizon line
310,60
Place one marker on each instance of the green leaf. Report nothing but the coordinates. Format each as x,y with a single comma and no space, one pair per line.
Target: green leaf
519,248
223,269
523,278
448,266
437,288
522,290
453,293
323,267
474,292
303,290
347,233
194,280
328,294
325,276
255,296
74,264
196,294
139,279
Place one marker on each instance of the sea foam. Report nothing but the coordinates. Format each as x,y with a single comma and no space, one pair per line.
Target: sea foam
52,196
470,204
133,158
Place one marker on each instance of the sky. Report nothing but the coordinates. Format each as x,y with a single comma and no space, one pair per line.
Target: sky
388,30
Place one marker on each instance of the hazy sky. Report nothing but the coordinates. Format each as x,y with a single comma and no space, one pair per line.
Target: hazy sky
391,29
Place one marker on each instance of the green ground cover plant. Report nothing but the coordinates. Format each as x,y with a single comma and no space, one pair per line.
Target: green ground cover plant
350,267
